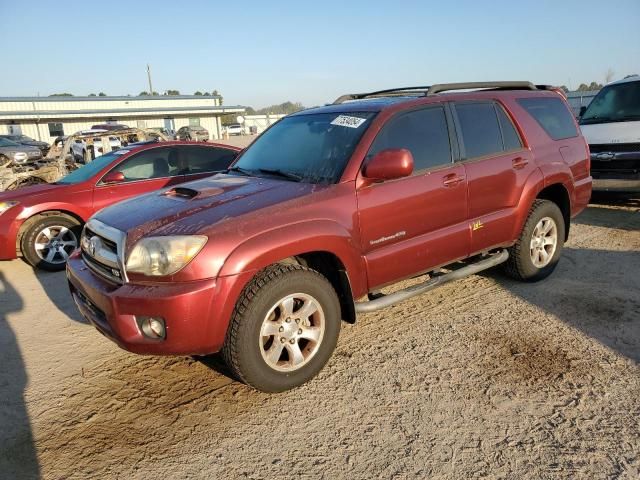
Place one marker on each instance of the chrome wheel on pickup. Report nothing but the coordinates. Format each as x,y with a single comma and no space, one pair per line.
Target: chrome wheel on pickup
49,240
537,251
284,328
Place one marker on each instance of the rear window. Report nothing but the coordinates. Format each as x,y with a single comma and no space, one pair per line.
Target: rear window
552,115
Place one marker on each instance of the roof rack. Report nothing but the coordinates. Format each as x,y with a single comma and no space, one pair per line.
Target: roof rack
444,87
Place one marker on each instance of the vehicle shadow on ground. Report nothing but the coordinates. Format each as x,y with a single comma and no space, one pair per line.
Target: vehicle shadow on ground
54,284
603,211
18,457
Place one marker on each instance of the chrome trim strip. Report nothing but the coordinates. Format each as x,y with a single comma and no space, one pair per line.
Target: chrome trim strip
116,236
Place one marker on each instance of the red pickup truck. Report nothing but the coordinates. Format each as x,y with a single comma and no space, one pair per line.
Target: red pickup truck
323,210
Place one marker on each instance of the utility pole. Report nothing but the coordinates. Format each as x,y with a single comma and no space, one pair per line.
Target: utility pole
149,77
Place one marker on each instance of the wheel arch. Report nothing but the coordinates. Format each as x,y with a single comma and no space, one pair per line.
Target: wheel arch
43,214
558,194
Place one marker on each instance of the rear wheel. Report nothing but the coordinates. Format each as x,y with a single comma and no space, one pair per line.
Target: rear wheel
49,241
284,328
536,253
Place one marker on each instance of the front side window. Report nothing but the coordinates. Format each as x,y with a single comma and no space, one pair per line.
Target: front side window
92,168
480,130
313,148
152,163
423,132
552,115
615,103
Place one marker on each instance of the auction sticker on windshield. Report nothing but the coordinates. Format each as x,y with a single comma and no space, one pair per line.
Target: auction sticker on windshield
347,121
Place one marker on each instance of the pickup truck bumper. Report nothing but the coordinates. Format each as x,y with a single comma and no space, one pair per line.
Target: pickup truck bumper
196,314
616,184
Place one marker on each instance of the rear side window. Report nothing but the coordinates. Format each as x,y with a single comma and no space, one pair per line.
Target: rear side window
510,137
480,129
423,132
552,115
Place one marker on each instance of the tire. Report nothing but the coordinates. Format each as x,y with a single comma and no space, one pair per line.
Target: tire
276,294
62,230
530,258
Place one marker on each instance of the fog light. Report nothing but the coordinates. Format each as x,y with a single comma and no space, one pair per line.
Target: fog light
152,327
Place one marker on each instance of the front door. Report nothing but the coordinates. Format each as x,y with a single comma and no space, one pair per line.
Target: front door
143,172
497,167
411,225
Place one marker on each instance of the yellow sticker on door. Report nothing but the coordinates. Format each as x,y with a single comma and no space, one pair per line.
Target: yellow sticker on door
477,225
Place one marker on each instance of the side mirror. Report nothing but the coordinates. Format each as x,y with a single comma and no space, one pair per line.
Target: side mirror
582,110
389,164
113,177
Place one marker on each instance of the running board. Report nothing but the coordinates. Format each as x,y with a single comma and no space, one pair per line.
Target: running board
434,282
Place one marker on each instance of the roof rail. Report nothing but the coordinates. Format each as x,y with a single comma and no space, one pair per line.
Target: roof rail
443,87
380,93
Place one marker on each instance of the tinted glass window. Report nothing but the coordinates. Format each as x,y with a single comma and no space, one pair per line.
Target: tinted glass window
207,159
480,130
313,147
56,130
90,169
423,132
509,134
153,163
553,116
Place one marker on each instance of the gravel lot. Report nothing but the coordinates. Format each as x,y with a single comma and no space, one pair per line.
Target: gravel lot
483,378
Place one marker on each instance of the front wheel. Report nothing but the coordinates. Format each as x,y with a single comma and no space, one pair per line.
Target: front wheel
284,328
49,241
536,253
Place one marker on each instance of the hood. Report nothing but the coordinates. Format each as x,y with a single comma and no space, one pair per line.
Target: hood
30,194
19,148
612,132
198,207
35,143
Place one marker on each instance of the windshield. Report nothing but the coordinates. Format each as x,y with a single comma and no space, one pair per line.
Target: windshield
615,103
4,142
311,148
90,169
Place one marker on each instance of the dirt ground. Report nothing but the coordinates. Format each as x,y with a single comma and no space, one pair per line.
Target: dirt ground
483,378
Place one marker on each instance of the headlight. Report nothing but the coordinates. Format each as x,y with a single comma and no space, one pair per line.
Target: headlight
4,206
159,256
19,156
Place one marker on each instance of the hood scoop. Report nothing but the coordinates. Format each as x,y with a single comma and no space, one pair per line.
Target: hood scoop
182,192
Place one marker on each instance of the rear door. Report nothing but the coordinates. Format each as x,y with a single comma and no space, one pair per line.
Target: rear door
144,172
411,225
199,162
497,166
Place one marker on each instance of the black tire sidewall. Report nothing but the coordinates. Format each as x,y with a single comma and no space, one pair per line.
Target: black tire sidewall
252,366
529,271
27,245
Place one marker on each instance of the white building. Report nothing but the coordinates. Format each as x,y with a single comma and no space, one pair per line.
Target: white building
45,118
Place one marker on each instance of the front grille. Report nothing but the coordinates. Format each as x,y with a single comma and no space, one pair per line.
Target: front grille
615,147
100,251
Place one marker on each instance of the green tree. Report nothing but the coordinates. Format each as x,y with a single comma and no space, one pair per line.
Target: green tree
144,93
61,95
92,94
591,86
197,92
102,94
172,92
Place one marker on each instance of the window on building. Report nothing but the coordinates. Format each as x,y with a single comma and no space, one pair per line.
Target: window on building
479,128
552,115
423,132
141,123
194,122
56,130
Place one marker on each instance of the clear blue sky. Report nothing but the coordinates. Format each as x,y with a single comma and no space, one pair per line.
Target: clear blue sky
264,52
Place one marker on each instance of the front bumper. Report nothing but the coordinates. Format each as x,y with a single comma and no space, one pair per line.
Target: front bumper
196,313
616,184
9,228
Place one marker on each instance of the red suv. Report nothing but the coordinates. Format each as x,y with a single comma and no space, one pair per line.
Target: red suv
324,209
42,223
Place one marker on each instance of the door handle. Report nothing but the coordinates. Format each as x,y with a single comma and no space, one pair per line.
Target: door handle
519,163
452,180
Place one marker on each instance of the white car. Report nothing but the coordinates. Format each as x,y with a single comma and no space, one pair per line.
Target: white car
235,129
611,126
85,153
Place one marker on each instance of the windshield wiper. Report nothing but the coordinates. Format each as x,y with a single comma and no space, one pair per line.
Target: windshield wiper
281,173
243,171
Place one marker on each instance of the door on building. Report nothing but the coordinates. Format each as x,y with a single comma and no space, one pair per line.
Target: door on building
14,129
170,125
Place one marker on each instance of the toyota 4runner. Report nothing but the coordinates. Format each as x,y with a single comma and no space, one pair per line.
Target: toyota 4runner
326,208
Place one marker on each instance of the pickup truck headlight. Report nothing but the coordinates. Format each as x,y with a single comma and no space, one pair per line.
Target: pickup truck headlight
4,206
160,256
